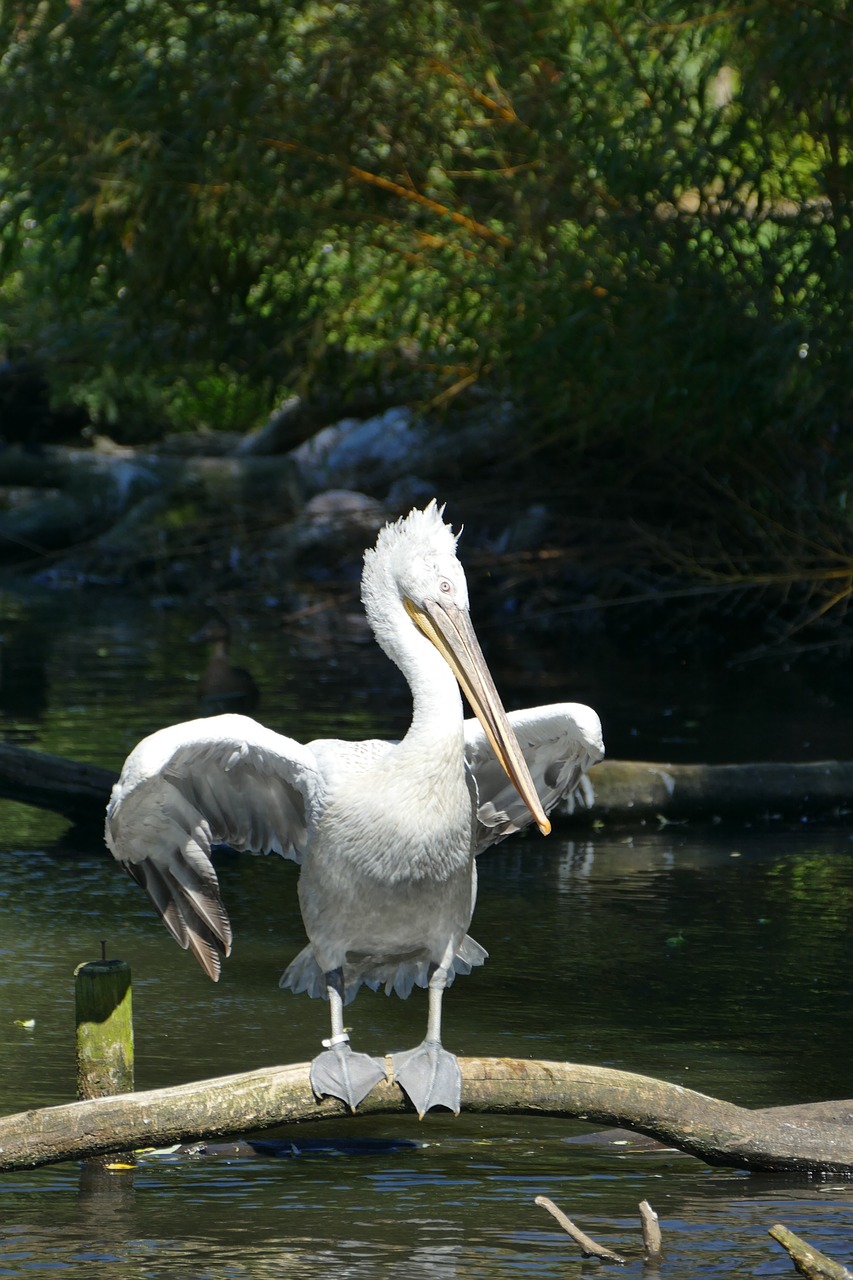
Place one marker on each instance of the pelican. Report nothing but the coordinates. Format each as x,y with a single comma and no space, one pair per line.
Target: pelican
386,832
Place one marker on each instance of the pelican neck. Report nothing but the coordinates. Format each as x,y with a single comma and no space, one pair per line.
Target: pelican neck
437,712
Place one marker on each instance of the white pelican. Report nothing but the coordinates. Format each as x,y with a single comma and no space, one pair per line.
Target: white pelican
386,832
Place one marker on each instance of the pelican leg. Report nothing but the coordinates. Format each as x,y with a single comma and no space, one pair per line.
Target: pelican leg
338,1071
430,1074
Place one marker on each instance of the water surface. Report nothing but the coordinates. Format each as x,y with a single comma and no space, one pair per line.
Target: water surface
715,958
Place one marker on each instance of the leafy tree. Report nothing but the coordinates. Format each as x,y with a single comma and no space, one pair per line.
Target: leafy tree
636,219
633,220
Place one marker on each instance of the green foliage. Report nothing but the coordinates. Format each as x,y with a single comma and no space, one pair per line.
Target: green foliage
634,220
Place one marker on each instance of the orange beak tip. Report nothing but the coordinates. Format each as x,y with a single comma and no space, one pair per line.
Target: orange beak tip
545,827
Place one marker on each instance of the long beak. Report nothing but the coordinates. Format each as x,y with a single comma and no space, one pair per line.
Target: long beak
450,630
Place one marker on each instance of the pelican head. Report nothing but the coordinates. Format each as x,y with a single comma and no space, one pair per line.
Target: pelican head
413,587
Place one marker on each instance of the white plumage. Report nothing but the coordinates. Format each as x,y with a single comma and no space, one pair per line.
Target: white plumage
386,833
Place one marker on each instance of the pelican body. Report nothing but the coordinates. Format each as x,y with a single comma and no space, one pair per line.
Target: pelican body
386,833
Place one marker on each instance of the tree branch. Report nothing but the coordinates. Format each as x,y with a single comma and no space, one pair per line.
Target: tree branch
715,1131
590,1247
395,188
810,1262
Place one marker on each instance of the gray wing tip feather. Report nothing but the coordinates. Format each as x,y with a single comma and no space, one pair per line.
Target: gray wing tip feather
191,909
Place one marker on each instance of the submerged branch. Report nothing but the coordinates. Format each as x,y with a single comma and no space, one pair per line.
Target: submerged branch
652,1241
810,1262
589,1247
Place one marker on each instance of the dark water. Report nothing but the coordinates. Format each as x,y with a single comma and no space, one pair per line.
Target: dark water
715,958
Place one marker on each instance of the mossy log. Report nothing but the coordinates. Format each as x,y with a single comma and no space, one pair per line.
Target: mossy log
717,1132
636,790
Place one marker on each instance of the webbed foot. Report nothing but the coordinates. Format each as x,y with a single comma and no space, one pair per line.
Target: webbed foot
430,1076
340,1073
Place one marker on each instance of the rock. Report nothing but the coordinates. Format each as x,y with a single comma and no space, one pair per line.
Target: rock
199,444
276,435
359,455
342,513
330,533
196,503
80,495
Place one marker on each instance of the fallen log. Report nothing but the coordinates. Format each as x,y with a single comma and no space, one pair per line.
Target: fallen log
640,791
77,791
718,1132
618,791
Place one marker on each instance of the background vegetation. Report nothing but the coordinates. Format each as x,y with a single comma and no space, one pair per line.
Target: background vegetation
633,222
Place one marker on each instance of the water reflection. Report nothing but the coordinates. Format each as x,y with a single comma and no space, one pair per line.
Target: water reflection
475,1219
89,673
720,960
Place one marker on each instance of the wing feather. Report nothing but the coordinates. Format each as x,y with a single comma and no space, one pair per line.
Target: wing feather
560,742
218,780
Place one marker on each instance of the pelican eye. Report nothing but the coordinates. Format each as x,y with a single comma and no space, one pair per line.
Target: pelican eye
445,587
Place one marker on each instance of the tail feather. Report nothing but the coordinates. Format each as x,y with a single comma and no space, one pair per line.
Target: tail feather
400,976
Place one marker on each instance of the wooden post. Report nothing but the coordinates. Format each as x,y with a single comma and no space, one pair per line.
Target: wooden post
104,1028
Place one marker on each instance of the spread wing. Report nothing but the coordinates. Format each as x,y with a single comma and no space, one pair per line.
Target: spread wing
560,742
223,779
